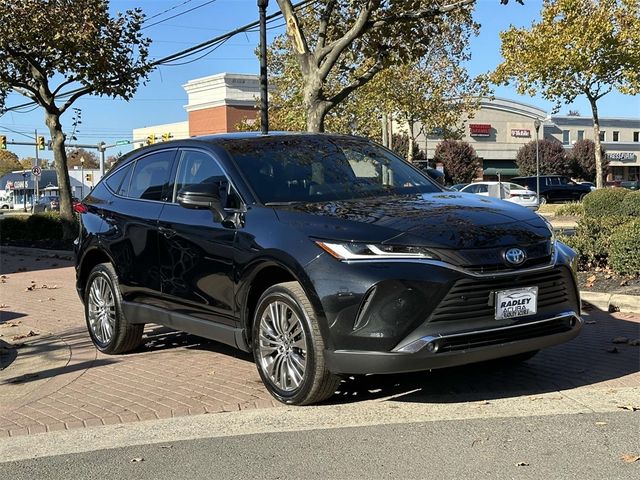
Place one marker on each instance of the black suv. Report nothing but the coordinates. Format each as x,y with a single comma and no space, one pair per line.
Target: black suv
323,255
554,188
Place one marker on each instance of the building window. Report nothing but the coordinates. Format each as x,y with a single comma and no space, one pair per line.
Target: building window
616,136
636,136
603,136
580,134
565,137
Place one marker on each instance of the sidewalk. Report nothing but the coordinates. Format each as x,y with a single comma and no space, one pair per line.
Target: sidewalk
56,380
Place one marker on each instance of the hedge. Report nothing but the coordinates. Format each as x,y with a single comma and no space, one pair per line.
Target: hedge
571,209
631,204
39,226
624,255
604,202
592,239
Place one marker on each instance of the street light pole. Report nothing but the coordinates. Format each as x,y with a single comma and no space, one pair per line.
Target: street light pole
81,177
536,124
264,100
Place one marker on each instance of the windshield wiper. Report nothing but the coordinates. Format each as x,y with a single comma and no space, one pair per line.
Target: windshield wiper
281,204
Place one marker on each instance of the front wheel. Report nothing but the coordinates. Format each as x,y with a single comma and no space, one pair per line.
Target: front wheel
288,348
109,329
543,200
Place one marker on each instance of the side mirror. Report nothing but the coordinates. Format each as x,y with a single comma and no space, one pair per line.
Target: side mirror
205,195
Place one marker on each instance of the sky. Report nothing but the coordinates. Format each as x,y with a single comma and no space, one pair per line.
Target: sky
162,99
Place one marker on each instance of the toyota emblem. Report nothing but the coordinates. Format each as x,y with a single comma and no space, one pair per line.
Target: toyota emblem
515,256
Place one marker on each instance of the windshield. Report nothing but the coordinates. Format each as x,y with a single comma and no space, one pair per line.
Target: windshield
284,169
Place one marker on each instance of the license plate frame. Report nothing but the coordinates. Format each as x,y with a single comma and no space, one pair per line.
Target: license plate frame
516,302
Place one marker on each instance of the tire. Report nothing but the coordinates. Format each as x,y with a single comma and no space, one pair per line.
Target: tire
582,197
109,329
288,348
5,207
543,200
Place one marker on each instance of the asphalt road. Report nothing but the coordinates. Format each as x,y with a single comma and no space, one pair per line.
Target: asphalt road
581,446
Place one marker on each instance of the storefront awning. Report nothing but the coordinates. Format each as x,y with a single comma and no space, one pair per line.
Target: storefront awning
512,172
502,167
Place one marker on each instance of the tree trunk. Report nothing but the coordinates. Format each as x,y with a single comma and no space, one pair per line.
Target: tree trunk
410,153
596,141
64,185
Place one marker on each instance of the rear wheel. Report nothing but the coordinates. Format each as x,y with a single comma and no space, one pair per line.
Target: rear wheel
288,347
543,200
109,329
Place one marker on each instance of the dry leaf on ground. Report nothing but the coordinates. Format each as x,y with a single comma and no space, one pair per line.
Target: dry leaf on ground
30,333
629,458
631,408
137,459
522,464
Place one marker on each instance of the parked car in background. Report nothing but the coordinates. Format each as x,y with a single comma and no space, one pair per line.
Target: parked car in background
630,184
591,185
458,186
554,188
517,193
323,255
47,204
6,202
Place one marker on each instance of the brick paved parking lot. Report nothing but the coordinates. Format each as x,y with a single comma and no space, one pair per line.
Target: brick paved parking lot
52,378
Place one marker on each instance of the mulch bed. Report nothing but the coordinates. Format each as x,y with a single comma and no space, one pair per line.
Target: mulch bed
608,282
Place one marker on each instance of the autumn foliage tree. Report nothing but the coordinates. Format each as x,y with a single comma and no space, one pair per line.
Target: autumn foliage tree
76,155
8,162
579,47
461,164
552,157
54,52
341,45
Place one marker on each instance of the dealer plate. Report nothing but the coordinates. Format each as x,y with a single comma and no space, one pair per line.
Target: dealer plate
518,302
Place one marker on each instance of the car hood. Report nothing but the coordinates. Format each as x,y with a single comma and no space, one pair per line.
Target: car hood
442,220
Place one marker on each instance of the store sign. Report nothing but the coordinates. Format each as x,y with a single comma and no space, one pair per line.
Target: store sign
520,132
17,185
479,129
621,156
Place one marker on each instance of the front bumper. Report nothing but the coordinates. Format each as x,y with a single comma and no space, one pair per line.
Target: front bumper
460,348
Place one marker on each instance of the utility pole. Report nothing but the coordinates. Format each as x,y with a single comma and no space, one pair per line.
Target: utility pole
37,180
264,99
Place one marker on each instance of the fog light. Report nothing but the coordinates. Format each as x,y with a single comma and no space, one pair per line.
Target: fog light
432,347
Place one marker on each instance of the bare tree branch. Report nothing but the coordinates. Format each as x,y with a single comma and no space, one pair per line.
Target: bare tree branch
324,25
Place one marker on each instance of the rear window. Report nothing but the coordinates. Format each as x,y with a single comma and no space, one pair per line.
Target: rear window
115,180
309,169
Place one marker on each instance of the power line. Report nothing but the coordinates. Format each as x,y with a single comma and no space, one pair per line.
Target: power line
183,53
167,10
179,14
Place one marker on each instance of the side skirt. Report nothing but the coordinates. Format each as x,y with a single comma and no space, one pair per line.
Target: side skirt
139,314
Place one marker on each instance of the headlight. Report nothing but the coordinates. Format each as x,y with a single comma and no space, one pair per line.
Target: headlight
366,251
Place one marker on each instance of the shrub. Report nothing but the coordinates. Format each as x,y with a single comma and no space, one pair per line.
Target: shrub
552,156
571,209
583,159
39,226
461,164
12,228
604,202
631,204
625,255
592,239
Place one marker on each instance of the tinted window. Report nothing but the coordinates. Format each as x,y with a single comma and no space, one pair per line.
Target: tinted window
482,189
115,181
196,168
151,175
285,169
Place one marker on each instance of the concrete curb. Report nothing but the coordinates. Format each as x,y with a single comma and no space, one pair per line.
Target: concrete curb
610,302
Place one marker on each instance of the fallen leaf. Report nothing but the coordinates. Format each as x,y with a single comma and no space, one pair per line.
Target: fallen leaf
137,459
608,276
30,289
624,283
4,305
629,458
620,340
634,342
3,276
632,408
522,464
601,423
31,333
12,324
166,446
591,279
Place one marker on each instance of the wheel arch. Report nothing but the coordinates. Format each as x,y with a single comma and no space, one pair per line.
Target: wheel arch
267,274
90,259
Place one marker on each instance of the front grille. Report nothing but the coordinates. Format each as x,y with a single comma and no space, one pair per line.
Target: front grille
498,337
483,260
472,298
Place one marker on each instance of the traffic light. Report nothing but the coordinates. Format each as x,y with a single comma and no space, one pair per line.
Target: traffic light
3,142
151,139
88,177
166,136
40,143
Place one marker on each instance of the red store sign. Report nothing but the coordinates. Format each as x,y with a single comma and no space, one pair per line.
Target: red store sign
479,129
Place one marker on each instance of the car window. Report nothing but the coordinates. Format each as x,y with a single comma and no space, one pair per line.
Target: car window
564,180
196,168
515,186
309,169
115,180
482,188
470,189
150,175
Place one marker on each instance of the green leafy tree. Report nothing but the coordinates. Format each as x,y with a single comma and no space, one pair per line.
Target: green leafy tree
461,163
76,155
73,47
8,162
341,45
580,47
27,163
552,157
583,159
